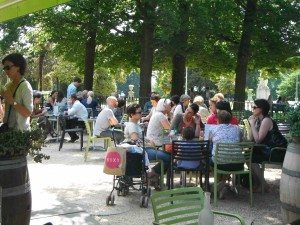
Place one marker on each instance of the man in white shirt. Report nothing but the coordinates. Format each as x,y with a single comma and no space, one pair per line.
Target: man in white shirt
79,111
105,119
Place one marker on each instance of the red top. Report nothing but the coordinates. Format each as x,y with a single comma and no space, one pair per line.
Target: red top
213,119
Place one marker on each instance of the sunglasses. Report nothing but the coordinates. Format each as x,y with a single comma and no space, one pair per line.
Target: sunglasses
8,67
255,107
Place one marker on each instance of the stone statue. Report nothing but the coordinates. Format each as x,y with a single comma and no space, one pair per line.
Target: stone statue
263,91
250,95
130,93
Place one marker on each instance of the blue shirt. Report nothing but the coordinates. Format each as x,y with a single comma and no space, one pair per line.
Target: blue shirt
72,89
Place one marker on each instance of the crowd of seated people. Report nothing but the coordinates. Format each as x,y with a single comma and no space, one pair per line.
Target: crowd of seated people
177,114
226,128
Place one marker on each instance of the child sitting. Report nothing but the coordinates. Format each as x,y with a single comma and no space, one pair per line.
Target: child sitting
188,134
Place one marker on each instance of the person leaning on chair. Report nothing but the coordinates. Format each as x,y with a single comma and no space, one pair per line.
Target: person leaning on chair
80,112
105,119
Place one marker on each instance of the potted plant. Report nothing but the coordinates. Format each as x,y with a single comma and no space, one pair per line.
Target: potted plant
293,118
289,183
14,177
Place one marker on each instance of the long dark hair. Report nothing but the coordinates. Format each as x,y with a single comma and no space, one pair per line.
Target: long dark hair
264,105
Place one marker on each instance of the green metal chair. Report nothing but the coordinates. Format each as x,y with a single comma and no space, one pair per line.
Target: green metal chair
181,205
233,153
91,139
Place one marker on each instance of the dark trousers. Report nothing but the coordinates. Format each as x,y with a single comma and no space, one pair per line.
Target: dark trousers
117,135
72,123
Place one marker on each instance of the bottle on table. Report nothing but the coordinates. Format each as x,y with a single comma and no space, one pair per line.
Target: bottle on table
206,216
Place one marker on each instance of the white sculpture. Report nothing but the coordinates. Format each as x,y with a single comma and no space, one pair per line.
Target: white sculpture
130,93
250,95
262,91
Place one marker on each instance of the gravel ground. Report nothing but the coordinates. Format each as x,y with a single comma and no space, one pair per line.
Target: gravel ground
68,191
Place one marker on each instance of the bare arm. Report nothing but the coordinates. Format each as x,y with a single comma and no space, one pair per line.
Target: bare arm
113,121
259,135
18,108
197,120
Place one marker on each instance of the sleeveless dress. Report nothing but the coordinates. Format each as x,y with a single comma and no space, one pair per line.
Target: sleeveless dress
263,153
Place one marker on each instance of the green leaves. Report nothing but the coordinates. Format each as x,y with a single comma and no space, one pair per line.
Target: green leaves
293,118
20,143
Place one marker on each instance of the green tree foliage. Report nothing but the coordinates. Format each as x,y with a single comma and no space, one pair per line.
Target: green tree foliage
77,29
226,85
287,88
11,32
104,82
62,72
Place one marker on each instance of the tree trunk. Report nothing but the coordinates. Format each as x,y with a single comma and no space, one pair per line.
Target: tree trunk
178,74
90,53
42,56
179,56
147,10
244,55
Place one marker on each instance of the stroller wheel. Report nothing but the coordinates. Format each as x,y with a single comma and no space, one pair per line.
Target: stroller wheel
148,191
124,192
144,200
112,201
119,192
108,199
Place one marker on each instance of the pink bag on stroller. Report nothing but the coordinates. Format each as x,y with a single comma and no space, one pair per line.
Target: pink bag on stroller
115,161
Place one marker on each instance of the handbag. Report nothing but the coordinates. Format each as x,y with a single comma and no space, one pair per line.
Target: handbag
115,161
4,126
276,138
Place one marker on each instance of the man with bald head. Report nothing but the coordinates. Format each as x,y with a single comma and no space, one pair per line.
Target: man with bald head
106,119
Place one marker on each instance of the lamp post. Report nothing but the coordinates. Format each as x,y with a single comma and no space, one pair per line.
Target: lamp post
296,93
186,75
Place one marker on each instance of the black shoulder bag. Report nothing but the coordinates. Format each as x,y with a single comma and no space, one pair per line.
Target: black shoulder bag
276,138
4,127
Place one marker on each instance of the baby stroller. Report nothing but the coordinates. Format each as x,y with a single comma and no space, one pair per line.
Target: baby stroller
135,177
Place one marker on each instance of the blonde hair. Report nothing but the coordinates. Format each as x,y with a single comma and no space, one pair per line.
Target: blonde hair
199,100
219,96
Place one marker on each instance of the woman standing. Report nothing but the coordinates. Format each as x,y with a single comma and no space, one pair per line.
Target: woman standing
18,108
18,95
